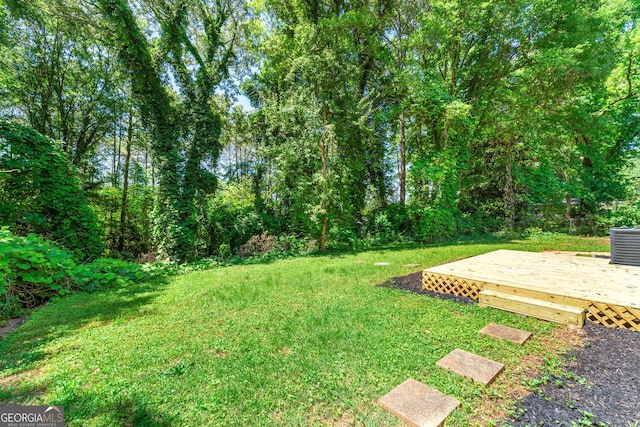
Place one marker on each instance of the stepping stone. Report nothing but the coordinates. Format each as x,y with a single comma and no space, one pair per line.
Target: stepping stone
411,265
358,261
382,263
470,365
516,336
418,405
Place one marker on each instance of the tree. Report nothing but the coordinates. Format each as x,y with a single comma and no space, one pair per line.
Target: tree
399,29
64,84
193,48
316,91
499,90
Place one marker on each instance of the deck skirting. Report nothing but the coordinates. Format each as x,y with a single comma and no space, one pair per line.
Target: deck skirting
451,285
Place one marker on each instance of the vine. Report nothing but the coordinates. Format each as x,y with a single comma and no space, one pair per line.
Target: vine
42,194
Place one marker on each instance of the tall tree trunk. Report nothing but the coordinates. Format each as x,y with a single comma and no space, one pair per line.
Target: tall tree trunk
324,153
509,190
114,183
402,173
125,184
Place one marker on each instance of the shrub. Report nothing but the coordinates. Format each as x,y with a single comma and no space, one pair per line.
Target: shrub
107,273
259,244
387,224
31,271
345,239
624,215
292,244
39,192
434,224
224,251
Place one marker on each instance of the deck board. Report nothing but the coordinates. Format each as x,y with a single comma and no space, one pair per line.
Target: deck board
583,278
539,284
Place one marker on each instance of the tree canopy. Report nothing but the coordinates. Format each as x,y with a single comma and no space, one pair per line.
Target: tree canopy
369,120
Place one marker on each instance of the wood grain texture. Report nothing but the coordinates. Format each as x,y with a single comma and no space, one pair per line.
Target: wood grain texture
551,286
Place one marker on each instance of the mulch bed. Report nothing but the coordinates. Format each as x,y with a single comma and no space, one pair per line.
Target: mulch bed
605,390
602,385
413,282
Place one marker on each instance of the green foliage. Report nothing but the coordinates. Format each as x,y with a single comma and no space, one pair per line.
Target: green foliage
265,247
138,238
433,224
39,192
318,93
64,82
195,44
388,224
108,273
232,219
374,121
32,271
622,215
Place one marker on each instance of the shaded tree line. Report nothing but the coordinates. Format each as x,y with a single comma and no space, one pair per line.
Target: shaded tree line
369,120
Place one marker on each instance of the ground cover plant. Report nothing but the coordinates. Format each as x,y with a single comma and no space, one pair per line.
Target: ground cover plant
305,341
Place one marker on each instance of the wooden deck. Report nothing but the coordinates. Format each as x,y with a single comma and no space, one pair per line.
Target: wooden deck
559,287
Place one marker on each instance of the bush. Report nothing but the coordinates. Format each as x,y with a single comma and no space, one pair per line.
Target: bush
40,193
624,215
434,224
33,271
267,246
224,251
294,245
108,273
477,224
261,244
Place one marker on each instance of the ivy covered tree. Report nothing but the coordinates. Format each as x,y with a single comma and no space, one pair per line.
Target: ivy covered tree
194,43
375,119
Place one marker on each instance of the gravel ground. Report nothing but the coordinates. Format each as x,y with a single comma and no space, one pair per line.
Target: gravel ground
602,382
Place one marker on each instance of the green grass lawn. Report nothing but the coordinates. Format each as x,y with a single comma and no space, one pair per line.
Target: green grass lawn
307,341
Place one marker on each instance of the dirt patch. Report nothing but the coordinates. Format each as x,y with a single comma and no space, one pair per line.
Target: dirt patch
12,324
345,420
26,388
19,378
95,324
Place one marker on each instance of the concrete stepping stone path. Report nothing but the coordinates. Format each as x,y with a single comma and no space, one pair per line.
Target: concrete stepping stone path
411,265
470,365
418,405
516,336
382,263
